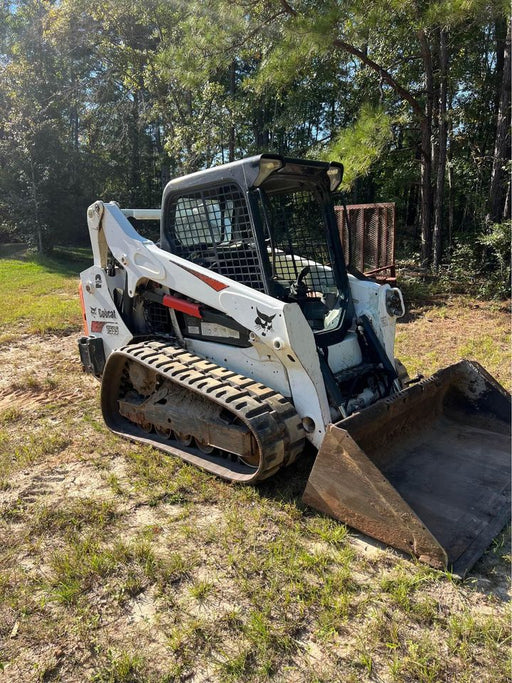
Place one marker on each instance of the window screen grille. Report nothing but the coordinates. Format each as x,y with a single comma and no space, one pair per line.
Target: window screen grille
212,228
299,239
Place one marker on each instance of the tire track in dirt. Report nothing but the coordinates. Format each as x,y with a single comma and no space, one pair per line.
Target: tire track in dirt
44,485
19,398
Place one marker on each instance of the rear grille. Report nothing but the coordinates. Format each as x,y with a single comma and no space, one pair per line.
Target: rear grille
157,318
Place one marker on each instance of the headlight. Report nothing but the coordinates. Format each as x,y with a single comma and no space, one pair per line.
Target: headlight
267,167
395,303
335,175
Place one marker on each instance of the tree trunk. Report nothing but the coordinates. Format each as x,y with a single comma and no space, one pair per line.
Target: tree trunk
450,203
261,133
441,149
35,201
135,151
498,207
232,90
426,157
450,175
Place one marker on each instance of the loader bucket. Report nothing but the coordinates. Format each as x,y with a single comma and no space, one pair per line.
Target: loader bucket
426,471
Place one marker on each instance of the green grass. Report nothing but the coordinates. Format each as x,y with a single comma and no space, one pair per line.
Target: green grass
121,666
40,294
18,453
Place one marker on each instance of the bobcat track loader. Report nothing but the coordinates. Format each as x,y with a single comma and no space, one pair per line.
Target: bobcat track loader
243,335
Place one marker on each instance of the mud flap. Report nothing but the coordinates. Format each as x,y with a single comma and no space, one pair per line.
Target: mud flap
426,471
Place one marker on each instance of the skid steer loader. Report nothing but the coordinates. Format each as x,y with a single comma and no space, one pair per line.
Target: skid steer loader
243,334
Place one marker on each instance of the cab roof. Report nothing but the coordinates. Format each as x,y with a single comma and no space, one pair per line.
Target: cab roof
270,170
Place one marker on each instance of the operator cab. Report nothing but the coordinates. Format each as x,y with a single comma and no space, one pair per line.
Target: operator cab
266,222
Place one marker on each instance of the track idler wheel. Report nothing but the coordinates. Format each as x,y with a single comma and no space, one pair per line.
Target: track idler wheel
183,439
204,447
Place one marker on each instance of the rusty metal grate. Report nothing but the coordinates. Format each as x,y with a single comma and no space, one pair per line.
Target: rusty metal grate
371,240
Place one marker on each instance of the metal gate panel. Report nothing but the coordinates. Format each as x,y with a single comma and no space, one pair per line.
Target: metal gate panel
369,238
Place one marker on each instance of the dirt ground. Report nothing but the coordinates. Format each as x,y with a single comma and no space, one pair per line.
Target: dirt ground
51,418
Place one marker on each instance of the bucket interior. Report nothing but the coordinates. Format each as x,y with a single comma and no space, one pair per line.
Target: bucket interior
444,447
455,478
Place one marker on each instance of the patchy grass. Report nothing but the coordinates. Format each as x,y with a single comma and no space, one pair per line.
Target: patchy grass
120,563
17,453
41,293
440,331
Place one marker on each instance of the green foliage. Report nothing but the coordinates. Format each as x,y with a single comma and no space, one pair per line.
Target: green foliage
361,145
481,263
108,100
497,242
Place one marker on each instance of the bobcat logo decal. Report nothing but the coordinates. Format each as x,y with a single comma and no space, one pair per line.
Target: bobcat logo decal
264,322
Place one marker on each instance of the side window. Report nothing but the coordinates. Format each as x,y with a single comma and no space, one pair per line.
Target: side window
212,227
221,218
203,221
195,222
213,217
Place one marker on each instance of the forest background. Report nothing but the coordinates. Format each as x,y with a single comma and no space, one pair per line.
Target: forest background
109,100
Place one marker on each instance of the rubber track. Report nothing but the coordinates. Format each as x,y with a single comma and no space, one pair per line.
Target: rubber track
271,418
